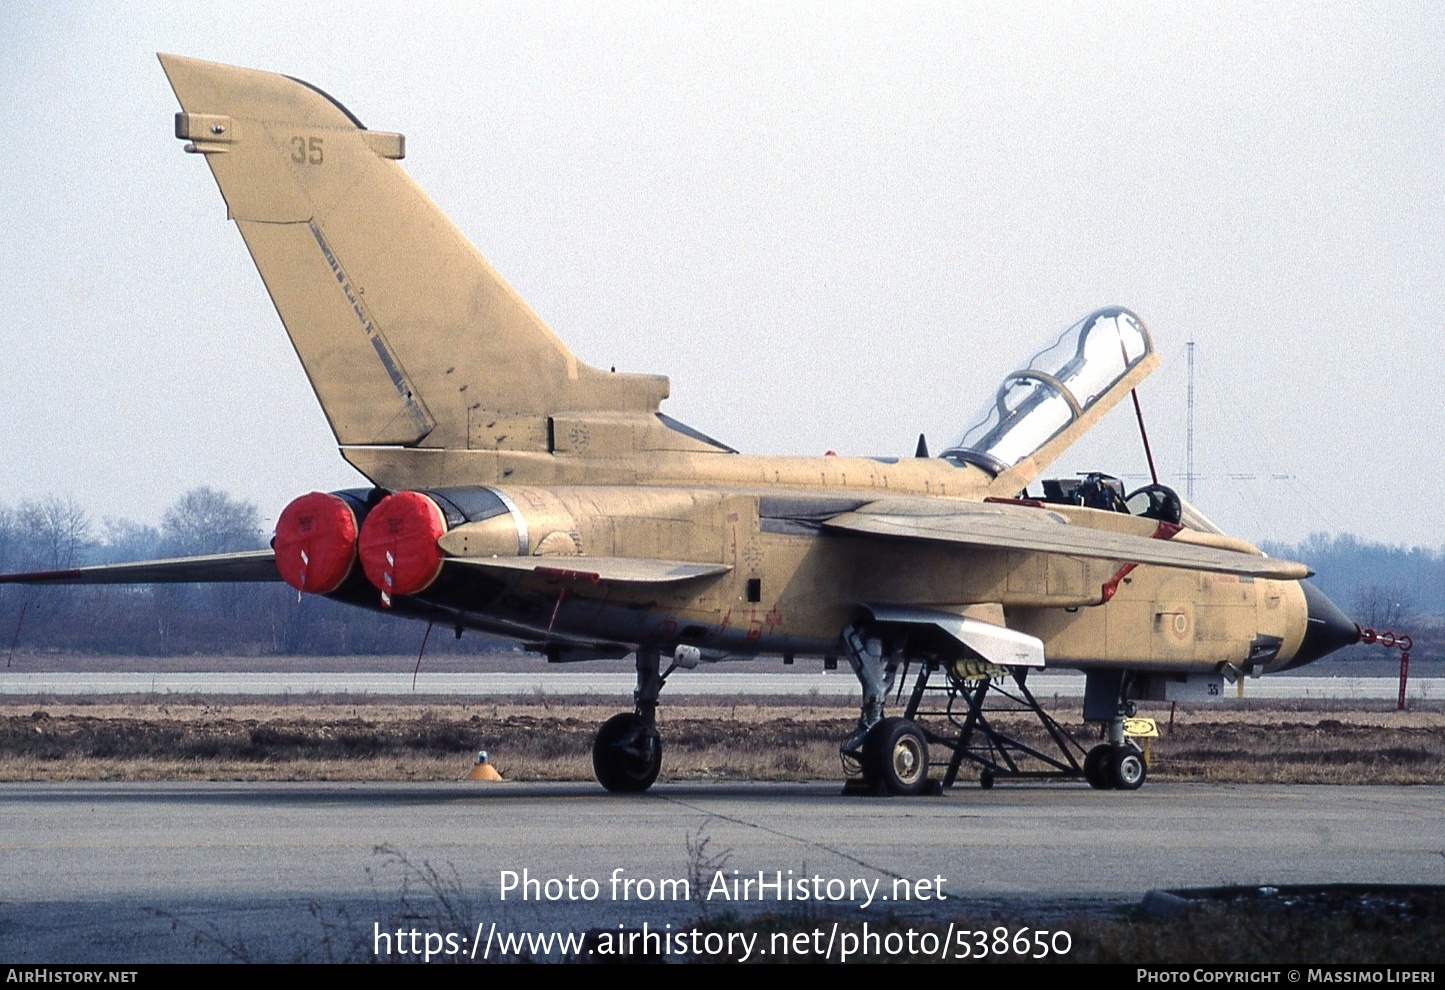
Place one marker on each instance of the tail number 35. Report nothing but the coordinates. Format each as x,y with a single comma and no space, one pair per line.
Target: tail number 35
306,151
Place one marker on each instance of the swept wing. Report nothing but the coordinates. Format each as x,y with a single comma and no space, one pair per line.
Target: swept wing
1017,527
250,565
260,565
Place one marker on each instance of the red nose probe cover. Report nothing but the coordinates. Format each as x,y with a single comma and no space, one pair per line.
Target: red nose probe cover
315,542
398,546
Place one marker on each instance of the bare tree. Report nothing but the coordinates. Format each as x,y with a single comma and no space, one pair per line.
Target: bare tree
1382,607
123,540
9,539
204,520
57,529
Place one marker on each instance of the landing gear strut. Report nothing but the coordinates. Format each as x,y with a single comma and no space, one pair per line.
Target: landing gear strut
892,753
627,752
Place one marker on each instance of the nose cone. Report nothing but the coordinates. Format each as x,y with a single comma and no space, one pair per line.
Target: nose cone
1326,631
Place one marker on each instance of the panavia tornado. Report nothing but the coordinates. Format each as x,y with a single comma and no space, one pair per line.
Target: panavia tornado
520,492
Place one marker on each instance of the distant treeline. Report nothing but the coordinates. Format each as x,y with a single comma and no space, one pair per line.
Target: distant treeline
1377,585
143,620
1380,586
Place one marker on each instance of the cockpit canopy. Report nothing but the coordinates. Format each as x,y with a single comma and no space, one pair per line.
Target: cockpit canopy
1080,373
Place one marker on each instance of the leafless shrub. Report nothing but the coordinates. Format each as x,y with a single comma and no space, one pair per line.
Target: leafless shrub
703,863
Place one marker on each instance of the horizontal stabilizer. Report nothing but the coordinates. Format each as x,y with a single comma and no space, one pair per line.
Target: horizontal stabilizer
252,565
1009,527
629,570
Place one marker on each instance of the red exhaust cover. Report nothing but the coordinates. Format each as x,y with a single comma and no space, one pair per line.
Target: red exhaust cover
398,545
315,542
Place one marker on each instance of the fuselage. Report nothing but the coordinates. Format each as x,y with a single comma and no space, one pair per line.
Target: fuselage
791,585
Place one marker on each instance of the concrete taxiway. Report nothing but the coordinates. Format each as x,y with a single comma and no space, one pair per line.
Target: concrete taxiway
135,872
837,684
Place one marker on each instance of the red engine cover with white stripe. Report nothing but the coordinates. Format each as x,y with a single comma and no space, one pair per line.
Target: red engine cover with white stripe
315,542
398,545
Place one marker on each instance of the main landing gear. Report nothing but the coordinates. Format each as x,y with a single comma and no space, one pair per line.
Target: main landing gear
889,755
895,757
627,752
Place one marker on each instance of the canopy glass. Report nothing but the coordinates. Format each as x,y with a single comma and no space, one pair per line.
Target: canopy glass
1053,388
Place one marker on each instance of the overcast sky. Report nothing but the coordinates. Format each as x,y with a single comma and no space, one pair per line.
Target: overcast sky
832,226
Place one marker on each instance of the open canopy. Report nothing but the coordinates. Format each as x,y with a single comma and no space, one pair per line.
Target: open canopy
1071,382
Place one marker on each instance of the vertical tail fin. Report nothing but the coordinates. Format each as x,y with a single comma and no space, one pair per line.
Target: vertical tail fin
407,334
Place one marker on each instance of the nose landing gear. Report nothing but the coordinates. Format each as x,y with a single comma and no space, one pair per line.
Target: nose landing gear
1118,764
1115,768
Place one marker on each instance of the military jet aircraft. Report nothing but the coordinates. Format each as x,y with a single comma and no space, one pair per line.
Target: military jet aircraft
520,492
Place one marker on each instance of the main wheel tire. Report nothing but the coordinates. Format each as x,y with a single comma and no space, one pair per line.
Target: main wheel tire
1128,770
1097,766
619,769
896,755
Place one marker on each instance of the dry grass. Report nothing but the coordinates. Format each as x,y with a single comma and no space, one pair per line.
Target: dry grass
550,739
1255,935
1406,928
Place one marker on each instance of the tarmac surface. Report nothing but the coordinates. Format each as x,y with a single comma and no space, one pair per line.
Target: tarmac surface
96,872
581,684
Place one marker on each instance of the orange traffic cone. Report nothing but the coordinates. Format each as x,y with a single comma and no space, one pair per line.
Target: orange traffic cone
483,770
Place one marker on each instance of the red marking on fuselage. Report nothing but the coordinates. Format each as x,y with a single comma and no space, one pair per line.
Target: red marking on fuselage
773,621
602,605
755,627
1164,531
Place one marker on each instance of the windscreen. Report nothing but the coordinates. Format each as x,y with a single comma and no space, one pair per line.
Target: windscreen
1056,386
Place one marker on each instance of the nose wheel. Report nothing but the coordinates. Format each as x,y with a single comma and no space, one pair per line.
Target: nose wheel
1115,768
1127,769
